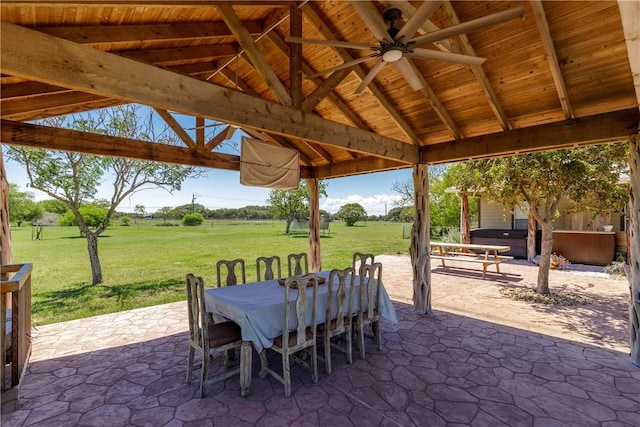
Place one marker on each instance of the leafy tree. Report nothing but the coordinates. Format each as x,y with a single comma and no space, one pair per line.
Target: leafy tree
537,182
351,213
74,178
22,206
193,219
164,213
54,206
125,221
292,204
93,216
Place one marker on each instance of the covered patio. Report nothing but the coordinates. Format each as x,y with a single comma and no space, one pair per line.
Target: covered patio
555,76
457,366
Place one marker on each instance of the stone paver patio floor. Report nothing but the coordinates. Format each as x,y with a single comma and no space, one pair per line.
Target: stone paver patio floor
479,359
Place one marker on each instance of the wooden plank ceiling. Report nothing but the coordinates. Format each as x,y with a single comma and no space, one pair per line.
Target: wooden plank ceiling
559,76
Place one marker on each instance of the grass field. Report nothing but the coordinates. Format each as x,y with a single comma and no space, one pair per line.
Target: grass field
145,265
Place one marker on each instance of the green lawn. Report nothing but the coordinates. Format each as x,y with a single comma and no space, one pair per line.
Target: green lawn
145,265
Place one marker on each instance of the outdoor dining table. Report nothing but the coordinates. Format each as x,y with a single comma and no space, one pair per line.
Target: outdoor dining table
258,308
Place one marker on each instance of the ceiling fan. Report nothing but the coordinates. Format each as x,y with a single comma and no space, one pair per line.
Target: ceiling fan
395,45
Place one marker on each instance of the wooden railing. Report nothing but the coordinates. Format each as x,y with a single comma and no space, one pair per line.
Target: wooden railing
16,347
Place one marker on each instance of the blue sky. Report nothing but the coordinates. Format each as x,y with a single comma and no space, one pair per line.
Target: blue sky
222,189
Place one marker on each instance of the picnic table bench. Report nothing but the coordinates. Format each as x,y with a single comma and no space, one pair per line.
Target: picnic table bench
468,252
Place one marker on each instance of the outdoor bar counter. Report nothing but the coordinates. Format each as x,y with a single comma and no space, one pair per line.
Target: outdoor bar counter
585,247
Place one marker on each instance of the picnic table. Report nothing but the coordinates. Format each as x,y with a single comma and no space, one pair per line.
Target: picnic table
469,252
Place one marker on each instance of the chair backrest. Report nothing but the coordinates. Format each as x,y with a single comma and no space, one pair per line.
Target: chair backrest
301,308
360,259
198,333
298,264
370,289
340,291
272,268
231,277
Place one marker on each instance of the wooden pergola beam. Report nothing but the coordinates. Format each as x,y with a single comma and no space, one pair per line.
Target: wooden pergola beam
37,136
356,166
601,128
32,55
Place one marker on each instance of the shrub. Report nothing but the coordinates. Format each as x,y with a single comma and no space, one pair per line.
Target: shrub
125,221
193,219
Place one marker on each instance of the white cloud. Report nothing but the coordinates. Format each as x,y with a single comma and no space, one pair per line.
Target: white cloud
377,204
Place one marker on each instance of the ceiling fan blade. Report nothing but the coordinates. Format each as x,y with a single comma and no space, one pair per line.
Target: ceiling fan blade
409,73
417,19
371,18
472,25
341,66
371,75
437,55
334,43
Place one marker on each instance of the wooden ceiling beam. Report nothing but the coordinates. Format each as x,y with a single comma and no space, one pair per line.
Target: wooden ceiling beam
42,105
311,13
277,17
254,53
305,155
437,106
552,57
173,56
38,136
356,166
601,128
177,128
32,55
334,99
116,35
630,16
477,70
295,57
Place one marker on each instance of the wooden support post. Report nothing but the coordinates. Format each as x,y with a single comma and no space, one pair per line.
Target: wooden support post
465,235
634,244
315,256
420,236
5,230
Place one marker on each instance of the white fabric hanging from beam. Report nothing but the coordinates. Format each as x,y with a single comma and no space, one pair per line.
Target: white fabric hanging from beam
267,165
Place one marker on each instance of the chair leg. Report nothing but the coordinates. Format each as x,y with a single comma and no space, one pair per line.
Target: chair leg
327,353
314,363
190,358
375,326
361,339
264,364
286,374
349,345
203,373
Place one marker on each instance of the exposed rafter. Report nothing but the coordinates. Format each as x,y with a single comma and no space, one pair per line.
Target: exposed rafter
177,128
115,35
552,57
255,55
314,19
38,136
32,55
601,128
477,70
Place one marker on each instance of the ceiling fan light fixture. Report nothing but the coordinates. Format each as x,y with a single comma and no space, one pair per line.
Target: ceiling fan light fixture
392,55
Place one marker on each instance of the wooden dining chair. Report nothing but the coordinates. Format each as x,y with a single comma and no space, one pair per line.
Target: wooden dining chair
298,264
208,338
296,336
338,318
360,259
368,308
271,265
229,277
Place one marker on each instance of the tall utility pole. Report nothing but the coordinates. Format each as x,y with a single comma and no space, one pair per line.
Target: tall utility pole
193,203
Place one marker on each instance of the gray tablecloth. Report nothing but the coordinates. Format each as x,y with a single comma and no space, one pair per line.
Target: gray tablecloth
259,308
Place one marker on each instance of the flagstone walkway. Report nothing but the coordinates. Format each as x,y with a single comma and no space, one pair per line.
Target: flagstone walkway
479,359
